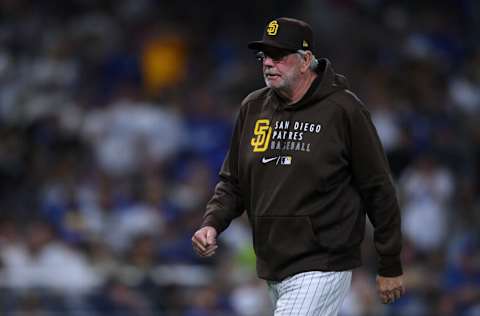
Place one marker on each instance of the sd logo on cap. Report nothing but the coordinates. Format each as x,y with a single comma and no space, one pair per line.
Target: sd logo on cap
272,28
286,33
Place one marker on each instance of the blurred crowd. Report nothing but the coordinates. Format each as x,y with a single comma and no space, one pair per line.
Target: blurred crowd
115,116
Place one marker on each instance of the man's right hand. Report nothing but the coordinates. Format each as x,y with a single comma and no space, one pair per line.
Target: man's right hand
390,289
204,241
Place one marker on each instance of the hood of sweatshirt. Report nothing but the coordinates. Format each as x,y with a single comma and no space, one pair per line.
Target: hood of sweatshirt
326,83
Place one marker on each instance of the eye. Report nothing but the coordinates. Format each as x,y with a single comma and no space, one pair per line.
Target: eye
277,56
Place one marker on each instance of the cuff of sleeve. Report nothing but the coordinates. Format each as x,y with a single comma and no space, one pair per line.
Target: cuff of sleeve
390,266
210,221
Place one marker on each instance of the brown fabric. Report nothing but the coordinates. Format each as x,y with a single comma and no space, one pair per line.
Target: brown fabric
308,187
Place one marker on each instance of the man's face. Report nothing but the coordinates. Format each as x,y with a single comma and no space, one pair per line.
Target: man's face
280,68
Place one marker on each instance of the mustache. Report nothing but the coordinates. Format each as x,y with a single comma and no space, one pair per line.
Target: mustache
270,72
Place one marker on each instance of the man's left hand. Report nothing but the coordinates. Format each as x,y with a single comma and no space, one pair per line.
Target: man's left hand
390,289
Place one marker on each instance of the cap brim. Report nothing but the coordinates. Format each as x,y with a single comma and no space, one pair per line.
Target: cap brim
260,45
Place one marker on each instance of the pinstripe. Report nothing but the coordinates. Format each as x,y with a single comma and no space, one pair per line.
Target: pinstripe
340,295
311,301
281,287
287,294
323,284
324,303
344,292
333,290
298,290
332,302
321,295
308,289
328,288
346,285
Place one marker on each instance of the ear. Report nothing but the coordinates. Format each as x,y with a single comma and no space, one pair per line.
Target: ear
306,60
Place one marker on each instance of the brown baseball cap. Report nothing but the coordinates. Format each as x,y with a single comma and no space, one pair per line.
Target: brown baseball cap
285,33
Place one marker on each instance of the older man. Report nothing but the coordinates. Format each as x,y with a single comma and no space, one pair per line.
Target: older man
306,164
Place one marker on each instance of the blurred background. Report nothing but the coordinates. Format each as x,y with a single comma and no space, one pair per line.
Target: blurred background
115,116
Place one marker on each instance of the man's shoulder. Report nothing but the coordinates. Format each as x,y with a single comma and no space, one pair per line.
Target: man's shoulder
257,96
348,101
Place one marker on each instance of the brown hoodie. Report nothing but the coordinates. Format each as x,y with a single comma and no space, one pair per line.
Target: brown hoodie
307,174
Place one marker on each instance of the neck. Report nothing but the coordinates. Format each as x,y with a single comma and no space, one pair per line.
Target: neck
301,87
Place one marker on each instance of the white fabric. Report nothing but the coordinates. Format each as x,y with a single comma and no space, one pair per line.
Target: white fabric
310,293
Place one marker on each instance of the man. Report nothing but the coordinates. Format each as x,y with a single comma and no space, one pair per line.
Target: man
306,164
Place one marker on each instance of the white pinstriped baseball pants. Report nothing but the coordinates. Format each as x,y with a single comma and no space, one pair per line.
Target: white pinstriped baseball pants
313,293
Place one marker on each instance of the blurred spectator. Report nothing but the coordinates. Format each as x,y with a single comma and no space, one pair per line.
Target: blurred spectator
119,299
465,88
206,301
130,133
209,126
43,262
462,277
250,298
361,299
426,189
193,189
164,59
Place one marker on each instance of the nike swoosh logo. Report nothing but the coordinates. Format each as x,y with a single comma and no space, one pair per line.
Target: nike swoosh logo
267,160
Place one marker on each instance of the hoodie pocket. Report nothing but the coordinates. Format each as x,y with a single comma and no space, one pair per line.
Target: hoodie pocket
281,240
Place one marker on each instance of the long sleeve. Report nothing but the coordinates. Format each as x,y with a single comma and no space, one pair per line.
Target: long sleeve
374,182
226,203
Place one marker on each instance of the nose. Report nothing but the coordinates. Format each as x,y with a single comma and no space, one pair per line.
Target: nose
268,61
